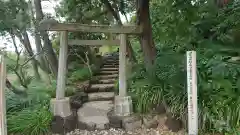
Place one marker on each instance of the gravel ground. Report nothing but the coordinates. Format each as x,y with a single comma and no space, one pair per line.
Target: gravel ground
122,132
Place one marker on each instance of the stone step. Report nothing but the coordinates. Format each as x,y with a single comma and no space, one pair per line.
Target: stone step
93,115
100,88
109,69
110,63
107,81
110,66
105,77
101,96
106,62
103,81
108,72
111,59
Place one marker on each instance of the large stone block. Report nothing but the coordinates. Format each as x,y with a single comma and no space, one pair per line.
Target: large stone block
123,106
114,121
63,125
131,123
61,107
87,126
173,123
150,121
93,115
160,108
78,100
64,120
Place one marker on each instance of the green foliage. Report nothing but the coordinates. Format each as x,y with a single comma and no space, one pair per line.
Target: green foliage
116,87
184,23
14,14
80,75
145,95
30,115
30,121
218,82
15,65
70,91
213,32
37,93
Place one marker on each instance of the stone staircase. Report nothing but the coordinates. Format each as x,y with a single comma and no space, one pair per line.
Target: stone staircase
92,110
93,114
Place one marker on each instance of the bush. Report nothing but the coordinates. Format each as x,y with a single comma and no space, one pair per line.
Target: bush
30,115
35,96
30,121
80,75
218,89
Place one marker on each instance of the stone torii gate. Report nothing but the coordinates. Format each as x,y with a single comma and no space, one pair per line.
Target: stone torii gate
61,106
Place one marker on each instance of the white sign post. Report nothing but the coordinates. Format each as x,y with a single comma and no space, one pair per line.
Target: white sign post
3,121
192,93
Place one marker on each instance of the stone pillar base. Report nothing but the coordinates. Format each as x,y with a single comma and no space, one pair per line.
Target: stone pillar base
64,119
60,107
123,106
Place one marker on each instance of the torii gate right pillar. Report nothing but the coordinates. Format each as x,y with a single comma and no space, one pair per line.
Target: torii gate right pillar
123,103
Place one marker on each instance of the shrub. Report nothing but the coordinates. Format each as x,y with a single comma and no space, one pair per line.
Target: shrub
80,75
218,89
35,96
30,115
30,121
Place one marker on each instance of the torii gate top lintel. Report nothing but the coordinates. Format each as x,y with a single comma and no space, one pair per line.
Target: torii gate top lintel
53,25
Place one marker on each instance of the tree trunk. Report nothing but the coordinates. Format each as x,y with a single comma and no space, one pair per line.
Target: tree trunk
147,43
116,15
52,58
221,3
16,68
28,48
42,61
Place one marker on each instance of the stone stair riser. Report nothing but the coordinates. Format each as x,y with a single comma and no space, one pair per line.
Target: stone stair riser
110,81
91,90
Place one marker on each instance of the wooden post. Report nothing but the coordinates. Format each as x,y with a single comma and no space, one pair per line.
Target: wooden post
122,65
62,65
192,93
3,121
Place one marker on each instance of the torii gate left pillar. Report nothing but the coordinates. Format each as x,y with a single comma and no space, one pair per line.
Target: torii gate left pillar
61,104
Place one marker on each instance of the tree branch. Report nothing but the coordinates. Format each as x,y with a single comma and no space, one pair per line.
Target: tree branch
96,15
87,62
114,13
32,57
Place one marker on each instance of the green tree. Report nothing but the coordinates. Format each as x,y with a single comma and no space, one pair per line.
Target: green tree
15,21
